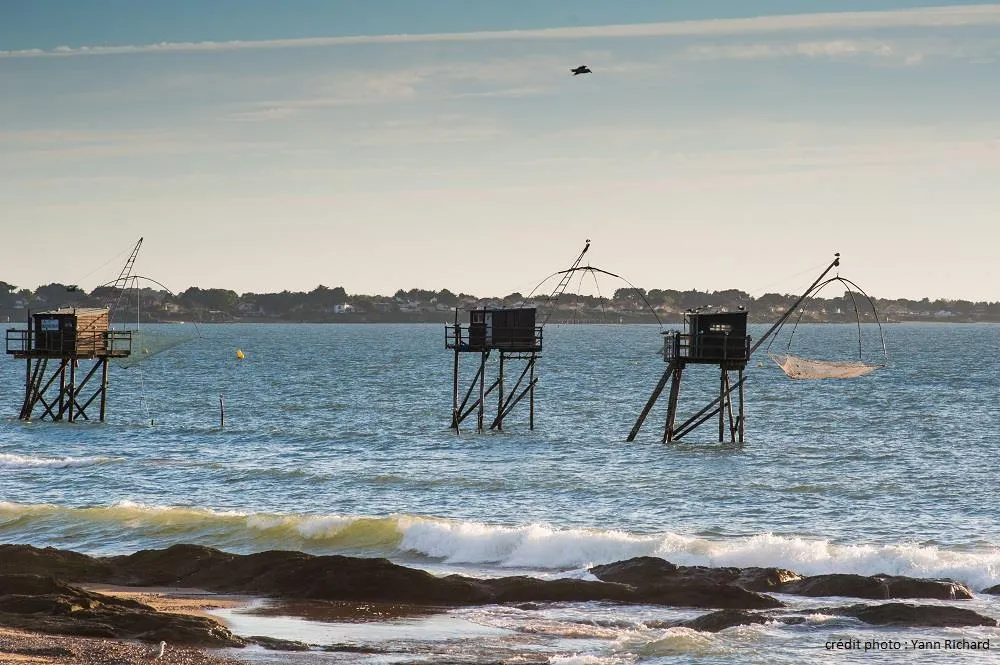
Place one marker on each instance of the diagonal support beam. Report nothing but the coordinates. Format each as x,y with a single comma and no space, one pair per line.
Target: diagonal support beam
687,426
651,401
527,389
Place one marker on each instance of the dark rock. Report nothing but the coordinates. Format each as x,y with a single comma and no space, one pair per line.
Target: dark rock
643,572
64,564
296,575
274,644
174,566
519,589
46,605
886,614
341,578
995,590
852,586
875,587
716,621
683,593
30,584
764,579
661,582
906,614
638,571
911,587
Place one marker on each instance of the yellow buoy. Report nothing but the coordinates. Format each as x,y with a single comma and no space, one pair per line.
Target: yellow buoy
239,354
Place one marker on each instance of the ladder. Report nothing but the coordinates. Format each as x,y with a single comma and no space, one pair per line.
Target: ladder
567,275
122,282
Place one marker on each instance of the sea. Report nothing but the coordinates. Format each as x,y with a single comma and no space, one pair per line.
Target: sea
336,439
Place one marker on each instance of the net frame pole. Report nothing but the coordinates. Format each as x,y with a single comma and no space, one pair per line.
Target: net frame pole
788,313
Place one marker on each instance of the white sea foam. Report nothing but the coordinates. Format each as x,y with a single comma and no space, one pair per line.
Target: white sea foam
684,641
10,461
547,550
541,547
577,659
530,546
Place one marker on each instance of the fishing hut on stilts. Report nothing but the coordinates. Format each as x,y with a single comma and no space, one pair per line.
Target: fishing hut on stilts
515,335
712,338
57,347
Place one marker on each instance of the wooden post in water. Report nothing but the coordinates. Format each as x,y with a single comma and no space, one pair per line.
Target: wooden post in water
531,396
722,410
741,407
482,390
500,394
72,389
104,387
222,413
457,338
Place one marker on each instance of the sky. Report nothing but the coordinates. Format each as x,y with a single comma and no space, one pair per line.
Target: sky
263,146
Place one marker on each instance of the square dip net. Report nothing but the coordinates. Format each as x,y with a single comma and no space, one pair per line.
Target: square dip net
871,350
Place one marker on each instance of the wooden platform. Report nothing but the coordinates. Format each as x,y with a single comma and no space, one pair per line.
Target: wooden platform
83,345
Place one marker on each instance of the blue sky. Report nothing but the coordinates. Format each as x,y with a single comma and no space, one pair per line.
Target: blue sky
263,146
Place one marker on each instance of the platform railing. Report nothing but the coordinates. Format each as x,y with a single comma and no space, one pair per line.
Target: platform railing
705,348
502,339
55,343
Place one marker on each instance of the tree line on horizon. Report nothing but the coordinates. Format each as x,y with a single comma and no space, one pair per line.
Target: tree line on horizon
325,303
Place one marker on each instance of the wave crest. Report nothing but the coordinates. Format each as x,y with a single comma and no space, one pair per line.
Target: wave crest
127,526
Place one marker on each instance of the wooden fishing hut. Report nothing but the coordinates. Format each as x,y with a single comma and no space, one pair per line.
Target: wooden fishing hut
709,338
713,338
513,336
64,337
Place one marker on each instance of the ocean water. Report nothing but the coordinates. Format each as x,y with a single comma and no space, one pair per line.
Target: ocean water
336,440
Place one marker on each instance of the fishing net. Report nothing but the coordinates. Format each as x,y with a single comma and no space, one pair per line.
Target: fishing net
806,368
146,344
798,367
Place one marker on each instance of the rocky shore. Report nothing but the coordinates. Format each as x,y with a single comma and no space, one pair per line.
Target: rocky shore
59,592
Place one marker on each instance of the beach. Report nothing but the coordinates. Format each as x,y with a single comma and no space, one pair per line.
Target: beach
19,647
361,608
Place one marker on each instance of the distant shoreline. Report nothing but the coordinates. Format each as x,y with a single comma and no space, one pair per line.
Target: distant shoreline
361,319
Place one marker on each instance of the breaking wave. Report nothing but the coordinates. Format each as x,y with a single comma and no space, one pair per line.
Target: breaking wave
128,526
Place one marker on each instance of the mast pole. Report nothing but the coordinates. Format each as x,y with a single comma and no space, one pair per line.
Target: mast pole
784,317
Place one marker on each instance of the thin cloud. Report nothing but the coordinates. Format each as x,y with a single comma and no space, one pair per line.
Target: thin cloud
907,51
438,80
930,17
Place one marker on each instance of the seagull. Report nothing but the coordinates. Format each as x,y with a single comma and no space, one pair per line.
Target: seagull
158,652
582,69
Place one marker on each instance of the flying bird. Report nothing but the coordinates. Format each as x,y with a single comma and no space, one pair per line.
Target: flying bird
582,69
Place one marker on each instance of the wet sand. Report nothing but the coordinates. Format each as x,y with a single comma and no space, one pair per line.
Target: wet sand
196,602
